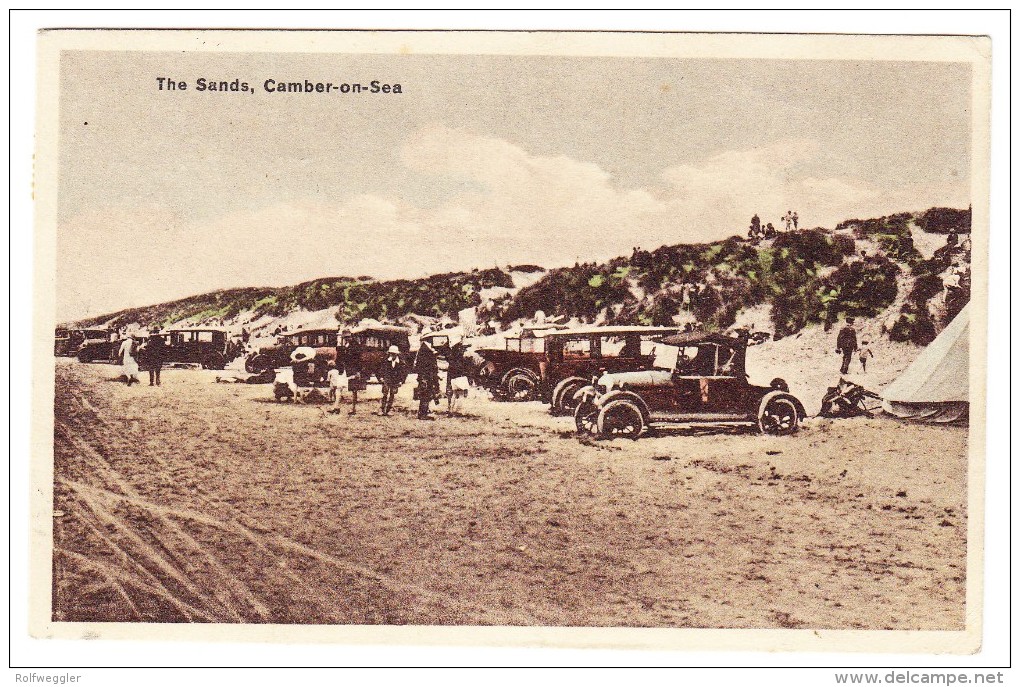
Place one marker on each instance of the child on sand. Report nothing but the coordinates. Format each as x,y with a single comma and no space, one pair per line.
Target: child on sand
863,354
336,384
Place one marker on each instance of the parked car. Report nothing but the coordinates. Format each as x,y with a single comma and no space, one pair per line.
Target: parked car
208,347
574,355
697,377
514,372
372,342
323,340
68,341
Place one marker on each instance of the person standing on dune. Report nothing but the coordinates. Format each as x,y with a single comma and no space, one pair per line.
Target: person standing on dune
846,343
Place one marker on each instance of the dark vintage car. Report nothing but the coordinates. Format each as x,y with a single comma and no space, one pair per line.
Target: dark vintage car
574,355
698,378
514,372
208,347
67,342
372,342
323,340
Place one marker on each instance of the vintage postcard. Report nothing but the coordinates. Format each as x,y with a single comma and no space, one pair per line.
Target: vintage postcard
560,339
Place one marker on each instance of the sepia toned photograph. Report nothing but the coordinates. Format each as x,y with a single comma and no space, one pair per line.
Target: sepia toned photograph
514,332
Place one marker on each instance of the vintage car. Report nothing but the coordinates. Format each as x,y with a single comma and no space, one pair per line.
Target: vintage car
68,341
372,342
697,378
514,372
205,346
323,340
574,355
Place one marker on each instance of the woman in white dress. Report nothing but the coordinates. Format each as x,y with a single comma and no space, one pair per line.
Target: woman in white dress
129,365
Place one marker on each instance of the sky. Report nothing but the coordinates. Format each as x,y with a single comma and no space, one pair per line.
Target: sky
479,161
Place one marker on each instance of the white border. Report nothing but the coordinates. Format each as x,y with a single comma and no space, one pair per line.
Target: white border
34,652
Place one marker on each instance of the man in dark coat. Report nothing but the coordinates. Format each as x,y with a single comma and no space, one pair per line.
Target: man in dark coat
426,366
392,373
155,356
846,343
349,354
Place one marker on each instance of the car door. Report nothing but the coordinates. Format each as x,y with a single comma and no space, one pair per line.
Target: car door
723,391
685,393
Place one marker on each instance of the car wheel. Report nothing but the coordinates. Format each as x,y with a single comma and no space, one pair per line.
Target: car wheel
84,357
521,386
621,419
563,402
586,418
779,417
256,364
214,361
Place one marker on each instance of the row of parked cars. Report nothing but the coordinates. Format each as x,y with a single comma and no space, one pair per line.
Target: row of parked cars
211,348
615,381
624,381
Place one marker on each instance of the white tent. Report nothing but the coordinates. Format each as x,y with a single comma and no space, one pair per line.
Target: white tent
935,387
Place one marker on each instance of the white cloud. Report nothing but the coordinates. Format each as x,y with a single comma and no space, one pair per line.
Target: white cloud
549,210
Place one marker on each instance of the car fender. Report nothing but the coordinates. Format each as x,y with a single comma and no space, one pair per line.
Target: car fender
606,399
586,393
520,370
562,384
781,394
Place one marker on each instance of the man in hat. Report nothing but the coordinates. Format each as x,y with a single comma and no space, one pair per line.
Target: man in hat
846,343
426,366
392,373
349,353
155,354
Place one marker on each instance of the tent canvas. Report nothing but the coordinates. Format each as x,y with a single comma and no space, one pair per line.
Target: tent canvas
935,387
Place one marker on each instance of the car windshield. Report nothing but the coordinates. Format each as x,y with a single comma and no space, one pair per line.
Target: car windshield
707,360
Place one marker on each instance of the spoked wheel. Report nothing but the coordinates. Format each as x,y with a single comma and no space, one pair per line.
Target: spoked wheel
779,416
620,419
521,387
586,418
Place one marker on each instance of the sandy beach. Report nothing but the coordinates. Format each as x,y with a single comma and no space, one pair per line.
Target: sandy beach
206,502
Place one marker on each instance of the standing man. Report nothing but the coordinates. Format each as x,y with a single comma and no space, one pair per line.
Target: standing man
795,220
155,353
356,376
846,343
426,366
392,374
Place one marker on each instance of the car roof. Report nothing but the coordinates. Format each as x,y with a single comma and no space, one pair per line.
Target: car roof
381,329
692,338
312,330
193,329
609,330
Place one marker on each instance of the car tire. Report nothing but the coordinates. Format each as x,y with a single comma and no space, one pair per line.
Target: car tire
84,357
779,416
621,419
586,418
214,361
256,364
563,396
520,385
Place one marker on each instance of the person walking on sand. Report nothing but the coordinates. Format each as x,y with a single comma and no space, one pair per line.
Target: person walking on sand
846,343
863,355
155,355
392,373
795,220
129,365
426,366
